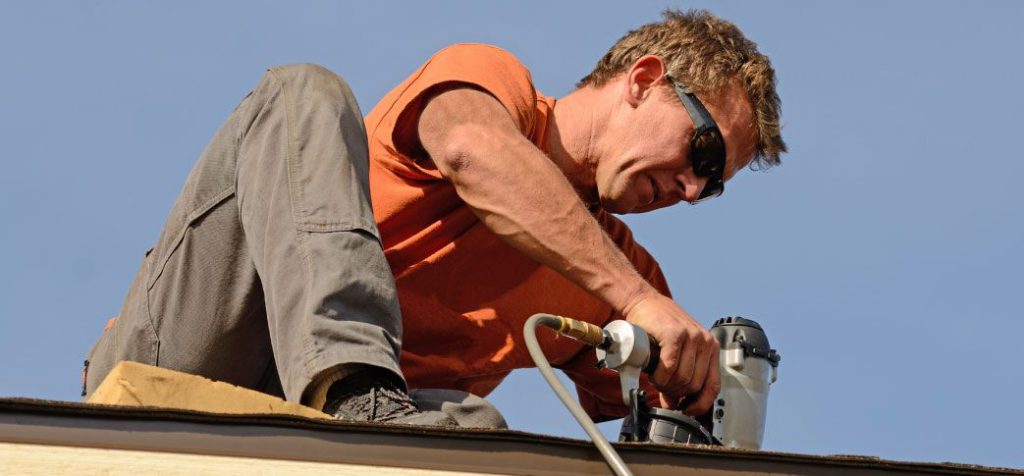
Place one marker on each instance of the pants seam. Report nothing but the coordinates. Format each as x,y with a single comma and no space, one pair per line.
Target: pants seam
295,193
296,199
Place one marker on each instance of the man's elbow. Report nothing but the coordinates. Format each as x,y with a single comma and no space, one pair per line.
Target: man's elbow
462,146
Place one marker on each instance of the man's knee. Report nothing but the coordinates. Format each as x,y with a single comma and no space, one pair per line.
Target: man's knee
312,81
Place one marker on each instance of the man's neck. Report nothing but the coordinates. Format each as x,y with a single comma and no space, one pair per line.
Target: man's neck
575,126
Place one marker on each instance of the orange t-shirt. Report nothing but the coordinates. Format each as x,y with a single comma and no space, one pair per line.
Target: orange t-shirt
465,294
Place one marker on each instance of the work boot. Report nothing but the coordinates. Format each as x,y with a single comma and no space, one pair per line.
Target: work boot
378,396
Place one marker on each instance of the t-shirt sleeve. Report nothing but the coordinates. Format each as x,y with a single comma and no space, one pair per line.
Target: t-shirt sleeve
599,391
485,67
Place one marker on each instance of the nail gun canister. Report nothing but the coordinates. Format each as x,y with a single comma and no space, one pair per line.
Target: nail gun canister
659,425
748,367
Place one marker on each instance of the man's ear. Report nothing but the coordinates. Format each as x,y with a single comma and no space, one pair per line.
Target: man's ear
641,78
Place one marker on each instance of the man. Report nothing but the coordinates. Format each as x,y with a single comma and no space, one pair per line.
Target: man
491,202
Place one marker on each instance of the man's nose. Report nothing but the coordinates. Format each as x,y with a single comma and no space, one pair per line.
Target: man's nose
691,186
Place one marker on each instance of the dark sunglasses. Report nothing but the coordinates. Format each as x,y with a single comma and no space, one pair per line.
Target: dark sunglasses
707,147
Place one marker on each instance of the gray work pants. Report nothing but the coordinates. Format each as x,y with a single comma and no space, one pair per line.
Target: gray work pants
269,272
270,263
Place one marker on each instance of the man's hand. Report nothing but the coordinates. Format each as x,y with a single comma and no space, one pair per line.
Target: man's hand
688,366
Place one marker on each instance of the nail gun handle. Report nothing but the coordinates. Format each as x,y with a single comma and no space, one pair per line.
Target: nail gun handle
653,358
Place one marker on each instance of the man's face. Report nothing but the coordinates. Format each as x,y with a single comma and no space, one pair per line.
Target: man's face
647,161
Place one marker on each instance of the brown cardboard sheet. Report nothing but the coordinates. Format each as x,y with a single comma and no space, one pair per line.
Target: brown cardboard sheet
135,384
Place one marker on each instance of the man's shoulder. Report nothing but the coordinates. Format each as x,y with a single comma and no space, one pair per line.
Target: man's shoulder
484,49
480,57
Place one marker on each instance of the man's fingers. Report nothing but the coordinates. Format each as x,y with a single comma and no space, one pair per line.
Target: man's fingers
700,370
666,369
669,401
712,385
685,369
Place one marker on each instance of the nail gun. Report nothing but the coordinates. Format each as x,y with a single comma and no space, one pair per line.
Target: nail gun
748,367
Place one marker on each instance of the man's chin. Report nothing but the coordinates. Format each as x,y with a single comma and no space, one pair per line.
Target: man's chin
650,207
620,208
625,204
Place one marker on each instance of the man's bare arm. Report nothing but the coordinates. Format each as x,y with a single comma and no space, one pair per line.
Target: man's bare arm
525,199
521,195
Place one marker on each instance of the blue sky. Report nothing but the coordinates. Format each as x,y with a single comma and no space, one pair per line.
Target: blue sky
884,257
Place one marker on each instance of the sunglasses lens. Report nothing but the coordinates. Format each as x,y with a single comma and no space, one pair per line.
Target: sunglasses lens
708,156
713,188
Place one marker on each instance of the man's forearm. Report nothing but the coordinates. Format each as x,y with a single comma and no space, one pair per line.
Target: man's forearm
527,202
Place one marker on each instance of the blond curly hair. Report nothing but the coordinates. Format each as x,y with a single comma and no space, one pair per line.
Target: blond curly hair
706,53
